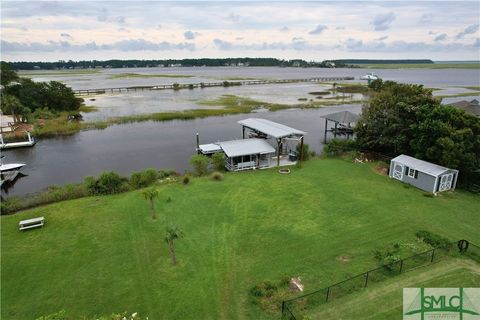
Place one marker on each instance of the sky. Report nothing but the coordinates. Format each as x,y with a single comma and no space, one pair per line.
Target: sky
310,30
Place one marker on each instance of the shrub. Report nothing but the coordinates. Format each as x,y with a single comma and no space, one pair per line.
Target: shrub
200,164
107,183
338,146
144,178
433,239
186,180
190,86
176,86
387,256
218,161
305,153
264,289
217,176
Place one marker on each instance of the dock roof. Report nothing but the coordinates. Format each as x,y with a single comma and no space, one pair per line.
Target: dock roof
270,128
342,117
420,165
236,148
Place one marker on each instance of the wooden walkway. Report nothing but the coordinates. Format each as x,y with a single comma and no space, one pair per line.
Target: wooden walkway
207,84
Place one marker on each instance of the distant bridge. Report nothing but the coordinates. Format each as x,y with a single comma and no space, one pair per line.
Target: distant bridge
206,84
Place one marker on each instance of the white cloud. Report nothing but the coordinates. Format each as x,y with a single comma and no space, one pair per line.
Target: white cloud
441,37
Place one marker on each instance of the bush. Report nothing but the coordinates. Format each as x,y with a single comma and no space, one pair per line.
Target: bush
387,256
176,86
264,289
305,153
144,178
200,164
337,147
432,239
218,161
186,180
107,183
217,176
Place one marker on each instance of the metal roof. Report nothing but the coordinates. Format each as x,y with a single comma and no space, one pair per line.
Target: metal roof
420,165
236,148
342,117
209,148
270,128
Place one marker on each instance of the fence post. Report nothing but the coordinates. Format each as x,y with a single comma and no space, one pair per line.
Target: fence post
366,278
283,308
401,265
328,292
433,254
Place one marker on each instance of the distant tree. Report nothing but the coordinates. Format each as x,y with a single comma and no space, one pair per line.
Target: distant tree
7,74
150,195
172,234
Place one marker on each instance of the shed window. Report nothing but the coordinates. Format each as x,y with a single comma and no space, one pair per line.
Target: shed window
412,173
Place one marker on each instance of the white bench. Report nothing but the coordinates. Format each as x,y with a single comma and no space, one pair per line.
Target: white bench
31,223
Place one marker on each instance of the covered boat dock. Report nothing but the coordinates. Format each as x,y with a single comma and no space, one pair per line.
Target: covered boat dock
343,123
262,128
254,151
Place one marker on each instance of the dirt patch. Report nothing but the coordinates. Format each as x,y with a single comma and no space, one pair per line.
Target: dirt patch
381,170
344,258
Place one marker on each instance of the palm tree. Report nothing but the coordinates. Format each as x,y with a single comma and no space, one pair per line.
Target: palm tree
172,234
151,194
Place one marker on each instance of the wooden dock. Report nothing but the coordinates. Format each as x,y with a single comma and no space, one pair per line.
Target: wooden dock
206,85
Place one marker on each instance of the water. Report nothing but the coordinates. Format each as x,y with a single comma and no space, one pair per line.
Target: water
133,147
169,145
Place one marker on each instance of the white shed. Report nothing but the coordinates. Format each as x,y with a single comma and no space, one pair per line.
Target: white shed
427,176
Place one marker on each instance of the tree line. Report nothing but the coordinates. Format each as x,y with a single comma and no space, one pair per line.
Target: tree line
209,62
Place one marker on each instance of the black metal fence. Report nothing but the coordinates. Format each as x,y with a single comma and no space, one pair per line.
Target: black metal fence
293,308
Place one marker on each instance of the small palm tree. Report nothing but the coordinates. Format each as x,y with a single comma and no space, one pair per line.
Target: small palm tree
172,234
151,194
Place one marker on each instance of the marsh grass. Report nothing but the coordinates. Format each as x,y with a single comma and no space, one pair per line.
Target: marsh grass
231,105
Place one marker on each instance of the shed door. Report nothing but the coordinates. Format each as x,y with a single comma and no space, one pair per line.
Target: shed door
446,182
398,171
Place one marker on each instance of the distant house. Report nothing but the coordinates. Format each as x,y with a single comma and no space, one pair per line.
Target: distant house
424,175
472,107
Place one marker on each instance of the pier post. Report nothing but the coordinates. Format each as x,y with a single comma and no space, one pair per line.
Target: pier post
198,143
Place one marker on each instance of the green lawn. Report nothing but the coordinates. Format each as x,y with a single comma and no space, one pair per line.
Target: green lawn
385,300
100,255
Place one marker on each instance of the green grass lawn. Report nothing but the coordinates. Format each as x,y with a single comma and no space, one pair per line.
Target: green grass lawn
100,255
385,300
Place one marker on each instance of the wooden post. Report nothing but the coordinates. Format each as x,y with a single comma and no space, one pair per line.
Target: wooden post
433,255
335,132
366,279
325,136
278,152
198,143
301,149
243,132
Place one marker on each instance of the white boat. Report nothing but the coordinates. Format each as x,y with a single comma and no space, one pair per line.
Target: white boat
21,144
369,76
9,171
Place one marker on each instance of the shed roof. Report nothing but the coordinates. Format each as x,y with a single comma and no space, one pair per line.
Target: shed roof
270,128
420,165
236,148
342,117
